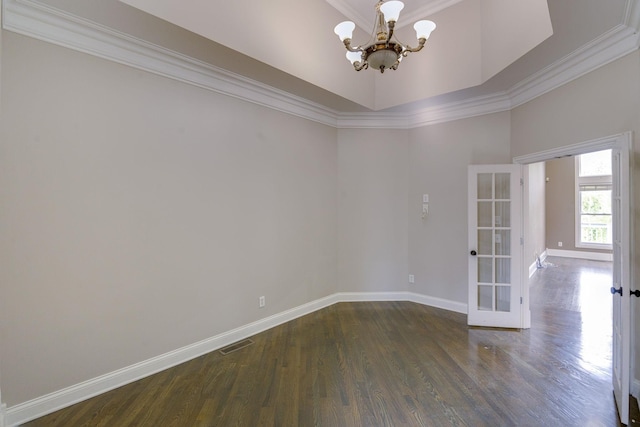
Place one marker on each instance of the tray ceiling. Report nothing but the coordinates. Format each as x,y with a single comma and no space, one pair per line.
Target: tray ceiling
474,41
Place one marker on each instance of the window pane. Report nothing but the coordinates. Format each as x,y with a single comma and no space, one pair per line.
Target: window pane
503,214
596,229
485,270
485,214
485,186
485,295
595,202
503,298
503,242
503,186
485,242
503,270
595,164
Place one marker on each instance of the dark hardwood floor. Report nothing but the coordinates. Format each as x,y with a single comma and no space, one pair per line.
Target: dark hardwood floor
394,364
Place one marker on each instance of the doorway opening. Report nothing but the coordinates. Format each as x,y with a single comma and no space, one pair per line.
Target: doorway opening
622,362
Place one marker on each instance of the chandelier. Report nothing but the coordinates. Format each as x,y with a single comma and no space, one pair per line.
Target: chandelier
383,50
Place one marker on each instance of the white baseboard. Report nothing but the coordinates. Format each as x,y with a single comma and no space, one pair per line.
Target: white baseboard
594,256
371,296
534,266
449,305
52,402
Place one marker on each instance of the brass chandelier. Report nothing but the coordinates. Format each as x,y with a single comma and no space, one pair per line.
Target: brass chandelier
383,50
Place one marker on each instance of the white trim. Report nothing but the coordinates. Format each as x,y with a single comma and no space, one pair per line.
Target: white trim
635,388
56,26
3,411
52,402
371,296
593,256
444,304
472,107
573,149
534,266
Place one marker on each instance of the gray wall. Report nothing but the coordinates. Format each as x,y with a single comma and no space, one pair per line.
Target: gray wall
139,214
372,210
438,160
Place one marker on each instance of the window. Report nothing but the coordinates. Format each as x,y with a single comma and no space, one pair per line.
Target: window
593,200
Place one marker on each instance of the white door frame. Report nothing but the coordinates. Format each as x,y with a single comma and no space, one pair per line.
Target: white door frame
624,139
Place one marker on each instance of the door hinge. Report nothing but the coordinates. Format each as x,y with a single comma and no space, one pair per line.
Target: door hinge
522,181
522,240
520,300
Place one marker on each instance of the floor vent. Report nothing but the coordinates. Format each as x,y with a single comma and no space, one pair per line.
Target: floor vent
235,347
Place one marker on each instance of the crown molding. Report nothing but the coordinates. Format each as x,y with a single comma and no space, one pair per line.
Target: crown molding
614,44
52,25
373,120
33,19
472,107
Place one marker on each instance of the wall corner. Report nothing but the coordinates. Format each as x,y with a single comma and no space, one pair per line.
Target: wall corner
3,411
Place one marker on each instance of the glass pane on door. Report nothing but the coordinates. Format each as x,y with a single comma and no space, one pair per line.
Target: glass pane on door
503,186
503,214
503,298
485,270
503,242
503,270
485,186
485,214
485,242
485,297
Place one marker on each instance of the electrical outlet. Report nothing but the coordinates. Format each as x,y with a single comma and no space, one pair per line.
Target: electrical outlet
412,278
262,302
559,244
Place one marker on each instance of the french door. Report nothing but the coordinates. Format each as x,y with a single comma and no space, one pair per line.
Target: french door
495,246
621,278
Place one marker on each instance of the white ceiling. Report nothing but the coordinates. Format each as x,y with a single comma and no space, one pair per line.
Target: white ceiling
253,38
475,40
362,11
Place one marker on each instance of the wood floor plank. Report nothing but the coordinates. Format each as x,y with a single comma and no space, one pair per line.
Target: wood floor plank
392,364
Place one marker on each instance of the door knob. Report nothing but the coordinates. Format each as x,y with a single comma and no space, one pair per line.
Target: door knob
474,253
636,293
616,291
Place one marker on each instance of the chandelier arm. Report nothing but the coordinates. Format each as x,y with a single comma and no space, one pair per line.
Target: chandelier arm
408,49
391,26
360,65
347,44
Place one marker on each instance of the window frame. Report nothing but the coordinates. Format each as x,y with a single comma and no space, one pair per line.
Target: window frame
605,180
